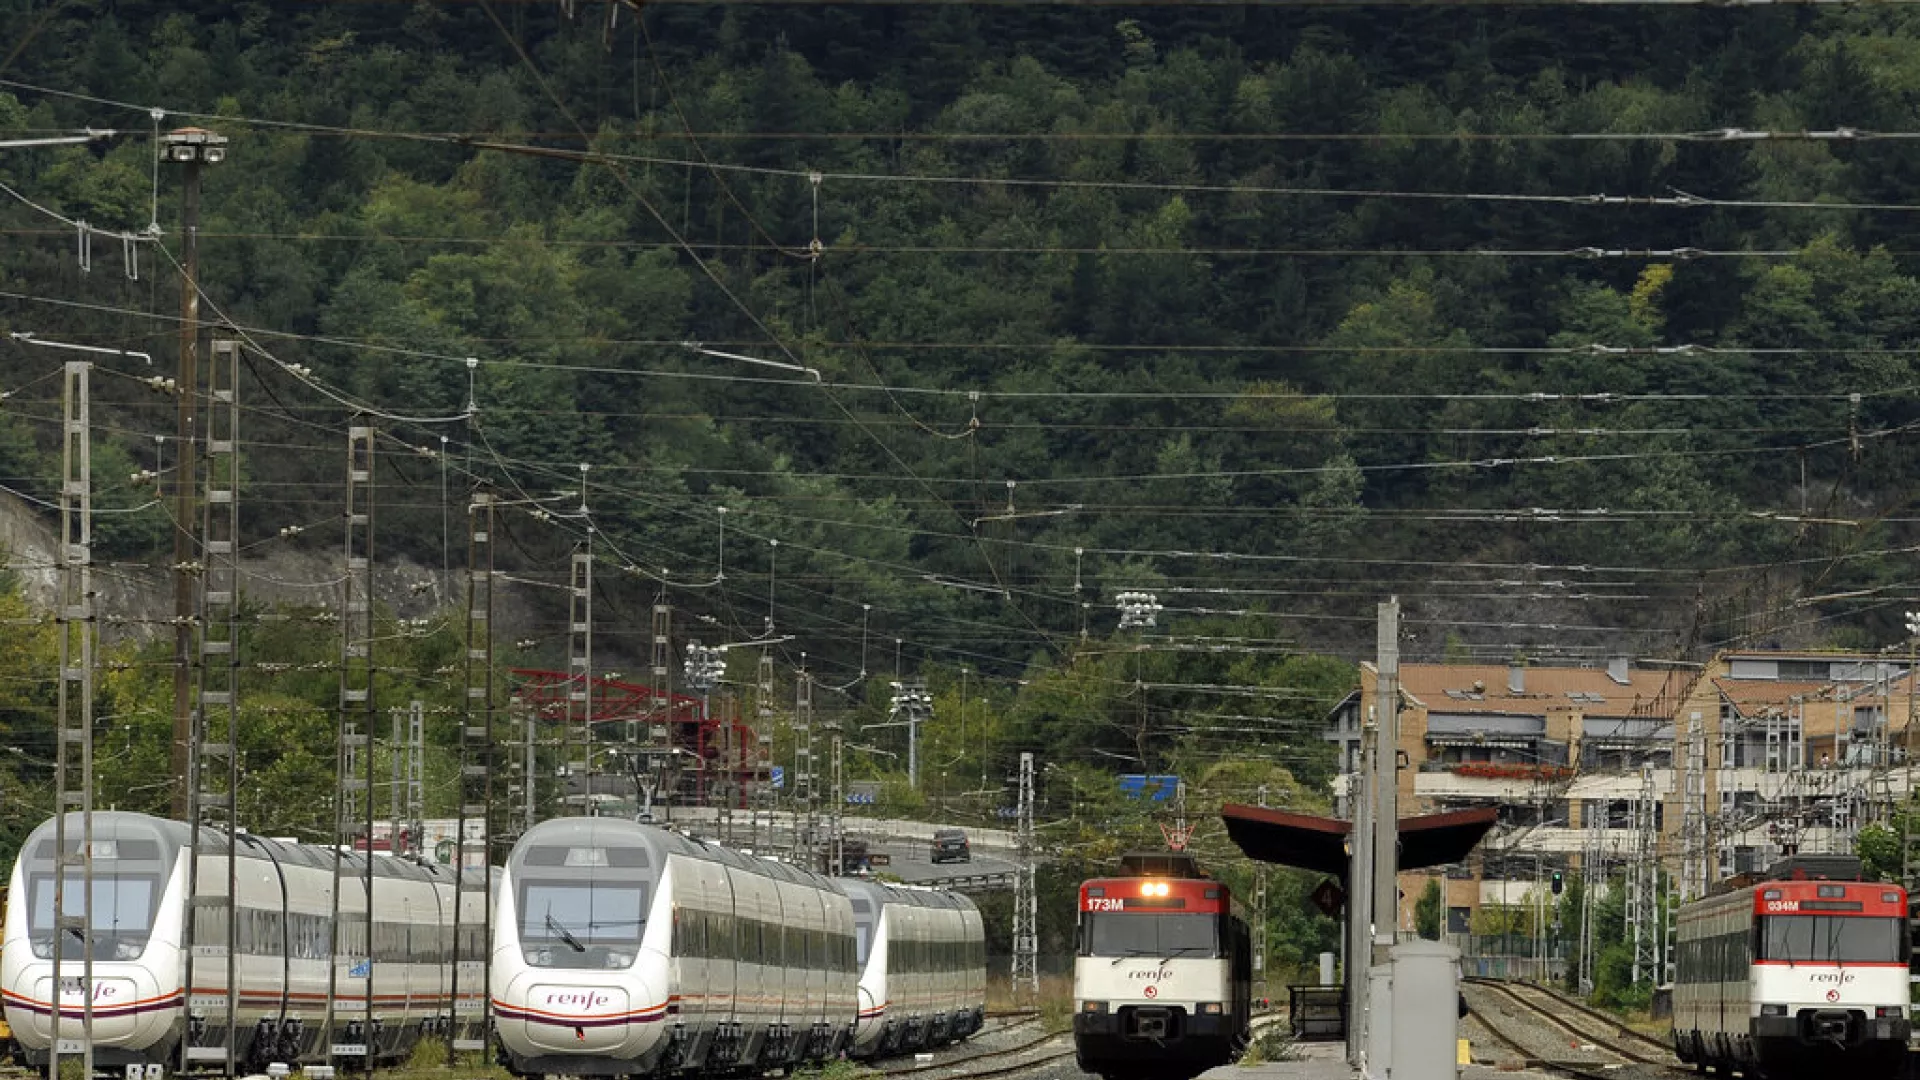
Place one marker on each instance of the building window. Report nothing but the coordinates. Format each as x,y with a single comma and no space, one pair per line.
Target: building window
1459,920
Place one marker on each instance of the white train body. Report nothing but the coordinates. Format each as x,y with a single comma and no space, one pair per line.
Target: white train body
922,956
385,1000
627,950
1792,978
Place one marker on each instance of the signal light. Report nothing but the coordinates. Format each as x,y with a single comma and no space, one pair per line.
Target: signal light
1559,883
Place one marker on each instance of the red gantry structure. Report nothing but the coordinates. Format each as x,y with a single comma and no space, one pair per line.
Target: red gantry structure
720,744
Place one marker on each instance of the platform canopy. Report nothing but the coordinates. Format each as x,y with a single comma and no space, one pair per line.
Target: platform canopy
1320,843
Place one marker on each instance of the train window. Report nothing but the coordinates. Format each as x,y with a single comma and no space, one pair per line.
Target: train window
575,923
1126,933
1830,939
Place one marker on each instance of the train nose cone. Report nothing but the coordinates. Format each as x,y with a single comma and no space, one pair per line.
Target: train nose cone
116,1009
576,1018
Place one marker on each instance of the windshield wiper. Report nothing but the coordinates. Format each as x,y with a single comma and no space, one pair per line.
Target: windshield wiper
1183,950
564,936
1133,953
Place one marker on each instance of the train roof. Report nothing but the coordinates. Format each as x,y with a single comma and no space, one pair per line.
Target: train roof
170,836
652,844
881,894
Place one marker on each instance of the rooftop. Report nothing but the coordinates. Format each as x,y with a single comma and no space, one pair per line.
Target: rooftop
1482,688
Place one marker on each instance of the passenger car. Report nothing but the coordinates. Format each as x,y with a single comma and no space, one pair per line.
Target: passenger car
950,845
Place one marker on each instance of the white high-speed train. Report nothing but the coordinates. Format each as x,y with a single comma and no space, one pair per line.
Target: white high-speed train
923,968
385,1000
624,949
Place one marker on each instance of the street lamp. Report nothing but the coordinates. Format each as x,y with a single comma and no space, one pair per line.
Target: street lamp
191,147
1137,609
913,706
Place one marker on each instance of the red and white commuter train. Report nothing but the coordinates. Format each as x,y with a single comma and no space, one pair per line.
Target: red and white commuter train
1162,977
1801,976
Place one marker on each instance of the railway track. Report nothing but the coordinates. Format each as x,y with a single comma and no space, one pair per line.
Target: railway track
996,1067
1584,1024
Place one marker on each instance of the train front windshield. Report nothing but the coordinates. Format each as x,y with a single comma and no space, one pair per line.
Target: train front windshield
1126,933
119,922
1828,939
582,924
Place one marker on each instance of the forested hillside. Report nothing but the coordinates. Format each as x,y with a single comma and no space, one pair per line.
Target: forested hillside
1555,321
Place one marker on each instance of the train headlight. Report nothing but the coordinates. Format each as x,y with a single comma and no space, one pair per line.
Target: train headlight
125,950
619,959
1093,1006
540,957
1889,1012
1773,1010
1211,1008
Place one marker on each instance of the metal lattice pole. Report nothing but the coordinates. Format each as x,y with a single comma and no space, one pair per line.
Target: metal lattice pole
416,802
805,809
212,754
1593,879
1910,849
73,751
579,728
764,715
348,991
1693,821
473,939
660,729
1026,938
836,805
1641,900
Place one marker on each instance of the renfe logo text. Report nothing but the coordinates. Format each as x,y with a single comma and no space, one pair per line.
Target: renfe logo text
586,999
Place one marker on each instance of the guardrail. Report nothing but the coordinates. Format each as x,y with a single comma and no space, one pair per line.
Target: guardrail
969,882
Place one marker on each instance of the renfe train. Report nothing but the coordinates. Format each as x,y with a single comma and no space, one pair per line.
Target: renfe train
284,906
624,949
1162,979
1804,974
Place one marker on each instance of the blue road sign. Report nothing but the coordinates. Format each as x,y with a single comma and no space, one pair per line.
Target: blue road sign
779,775
1155,788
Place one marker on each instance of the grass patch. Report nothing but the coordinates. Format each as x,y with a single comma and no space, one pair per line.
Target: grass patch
836,1070
1275,1043
1055,1004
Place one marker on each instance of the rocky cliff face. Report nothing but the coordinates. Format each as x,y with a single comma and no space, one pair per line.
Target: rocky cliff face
136,598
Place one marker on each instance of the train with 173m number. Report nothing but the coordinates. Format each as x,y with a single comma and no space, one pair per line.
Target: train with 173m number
1162,973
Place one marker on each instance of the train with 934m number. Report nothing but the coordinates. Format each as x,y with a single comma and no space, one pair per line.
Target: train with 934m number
1801,973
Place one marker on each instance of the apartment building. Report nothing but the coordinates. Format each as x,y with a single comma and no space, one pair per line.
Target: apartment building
1729,764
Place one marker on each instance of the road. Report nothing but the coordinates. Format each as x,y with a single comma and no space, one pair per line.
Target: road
908,843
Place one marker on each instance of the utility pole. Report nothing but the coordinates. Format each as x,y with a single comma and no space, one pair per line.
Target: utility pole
660,730
1693,822
73,750
765,717
1910,850
836,804
1260,916
192,148
705,666
213,775
1643,880
1593,878
467,1027
1386,785
912,706
1358,942
580,676
1025,975
350,982
806,810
